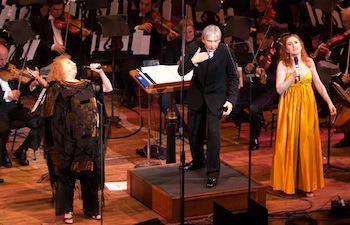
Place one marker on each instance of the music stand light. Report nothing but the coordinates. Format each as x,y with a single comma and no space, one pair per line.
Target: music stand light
113,26
19,31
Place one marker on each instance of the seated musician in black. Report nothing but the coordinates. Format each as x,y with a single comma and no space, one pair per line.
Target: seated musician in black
173,56
265,96
12,110
339,55
141,20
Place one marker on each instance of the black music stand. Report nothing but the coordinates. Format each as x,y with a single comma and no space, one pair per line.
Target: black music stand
114,26
327,6
239,27
21,33
93,4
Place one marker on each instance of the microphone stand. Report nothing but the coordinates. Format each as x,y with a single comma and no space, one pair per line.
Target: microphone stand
182,92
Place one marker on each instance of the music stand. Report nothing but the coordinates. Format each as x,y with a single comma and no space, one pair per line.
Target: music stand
239,27
114,26
205,5
93,4
21,33
326,6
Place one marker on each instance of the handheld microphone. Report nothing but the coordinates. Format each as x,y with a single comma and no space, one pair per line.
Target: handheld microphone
297,65
88,67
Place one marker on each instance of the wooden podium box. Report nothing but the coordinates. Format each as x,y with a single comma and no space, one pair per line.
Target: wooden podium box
158,188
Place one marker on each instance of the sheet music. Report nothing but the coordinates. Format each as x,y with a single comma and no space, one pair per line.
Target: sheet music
165,74
32,50
140,43
40,100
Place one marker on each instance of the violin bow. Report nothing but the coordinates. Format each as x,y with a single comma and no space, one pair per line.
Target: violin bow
347,60
24,64
67,26
257,51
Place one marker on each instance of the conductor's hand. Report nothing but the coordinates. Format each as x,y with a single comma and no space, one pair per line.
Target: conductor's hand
228,108
13,95
199,56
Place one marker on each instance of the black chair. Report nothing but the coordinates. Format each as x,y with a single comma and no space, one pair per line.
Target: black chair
16,126
273,111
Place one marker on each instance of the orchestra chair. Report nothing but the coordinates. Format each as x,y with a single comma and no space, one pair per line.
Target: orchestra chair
16,126
273,111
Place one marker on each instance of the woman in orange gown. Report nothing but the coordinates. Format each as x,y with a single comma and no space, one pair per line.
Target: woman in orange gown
297,160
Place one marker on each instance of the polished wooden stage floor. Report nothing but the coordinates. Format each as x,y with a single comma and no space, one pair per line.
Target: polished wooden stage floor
25,201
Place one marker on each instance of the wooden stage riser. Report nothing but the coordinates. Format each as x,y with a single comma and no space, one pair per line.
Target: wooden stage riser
195,205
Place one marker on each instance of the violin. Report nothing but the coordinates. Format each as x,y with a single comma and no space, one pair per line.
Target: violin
12,73
268,16
333,42
162,25
266,58
74,25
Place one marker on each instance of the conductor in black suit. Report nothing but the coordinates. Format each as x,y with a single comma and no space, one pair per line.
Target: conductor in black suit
211,95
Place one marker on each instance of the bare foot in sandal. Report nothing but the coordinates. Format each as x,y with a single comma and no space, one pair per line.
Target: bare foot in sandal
309,194
68,218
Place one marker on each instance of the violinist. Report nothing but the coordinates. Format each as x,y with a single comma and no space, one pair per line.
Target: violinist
53,37
144,19
173,56
264,95
11,109
339,55
262,12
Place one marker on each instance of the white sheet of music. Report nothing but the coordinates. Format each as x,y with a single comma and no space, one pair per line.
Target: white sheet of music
140,43
165,74
32,50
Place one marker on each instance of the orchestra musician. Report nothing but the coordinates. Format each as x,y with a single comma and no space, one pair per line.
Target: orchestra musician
339,55
145,19
173,56
264,94
11,109
262,13
53,41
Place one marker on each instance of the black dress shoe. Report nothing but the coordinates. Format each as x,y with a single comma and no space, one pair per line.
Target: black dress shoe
342,143
6,162
255,144
193,166
21,155
212,182
1,180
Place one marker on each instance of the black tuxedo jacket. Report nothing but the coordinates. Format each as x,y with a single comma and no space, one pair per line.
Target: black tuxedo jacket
43,28
214,81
